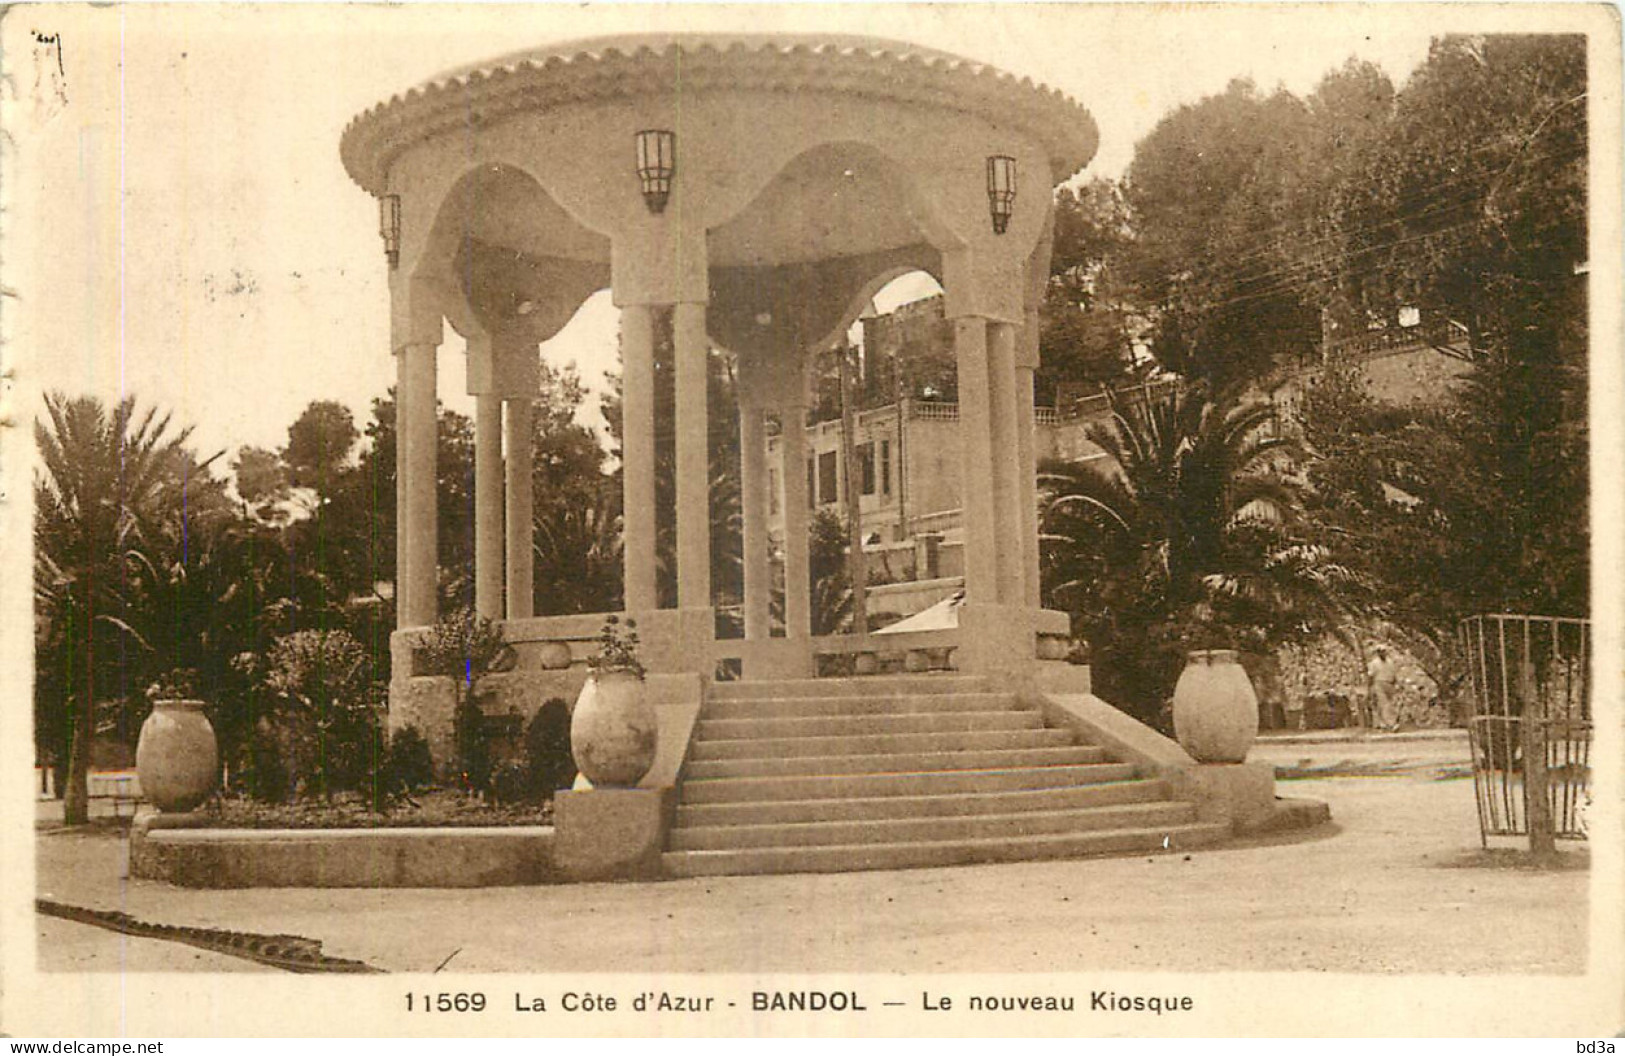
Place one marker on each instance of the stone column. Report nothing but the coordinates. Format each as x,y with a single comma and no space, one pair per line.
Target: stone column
417,429
488,506
402,550
1026,446
793,452
976,461
519,429
638,456
1008,524
753,510
692,468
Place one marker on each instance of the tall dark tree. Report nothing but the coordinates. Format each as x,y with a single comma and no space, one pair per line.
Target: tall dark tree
329,551
320,442
109,475
577,508
1473,206
261,482
1089,317
1203,256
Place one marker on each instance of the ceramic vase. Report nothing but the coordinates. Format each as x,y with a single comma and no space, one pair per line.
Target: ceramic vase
1215,708
176,757
613,730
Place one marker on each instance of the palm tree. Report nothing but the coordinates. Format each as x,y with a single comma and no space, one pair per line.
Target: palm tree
107,478
1188,519
217,576
577,548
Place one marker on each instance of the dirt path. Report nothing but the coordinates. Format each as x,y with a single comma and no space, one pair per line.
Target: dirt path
1395,885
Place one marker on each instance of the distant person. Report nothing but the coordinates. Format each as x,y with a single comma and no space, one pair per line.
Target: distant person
1384,676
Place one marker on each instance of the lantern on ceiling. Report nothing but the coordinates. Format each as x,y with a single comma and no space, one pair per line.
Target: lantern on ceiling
389,226
657,163
1001,190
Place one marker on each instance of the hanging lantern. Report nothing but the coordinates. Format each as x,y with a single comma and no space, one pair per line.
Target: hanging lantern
389,226
1001,190
657,162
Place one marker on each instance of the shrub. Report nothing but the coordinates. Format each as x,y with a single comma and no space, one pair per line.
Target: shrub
327,711
510,783
410,766
463,645
548,761
265,775
473,763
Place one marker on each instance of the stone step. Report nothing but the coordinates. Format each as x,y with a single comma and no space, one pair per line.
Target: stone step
847,786
894,762
855,725
873,685
933,830
796,707
849,857
949,805
879,743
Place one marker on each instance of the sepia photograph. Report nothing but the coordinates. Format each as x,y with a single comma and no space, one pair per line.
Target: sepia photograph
1022,519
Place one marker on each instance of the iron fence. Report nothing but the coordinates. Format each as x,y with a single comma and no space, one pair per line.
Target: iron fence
1531,722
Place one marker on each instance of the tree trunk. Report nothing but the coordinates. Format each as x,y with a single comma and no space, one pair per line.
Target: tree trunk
76,801
1536,781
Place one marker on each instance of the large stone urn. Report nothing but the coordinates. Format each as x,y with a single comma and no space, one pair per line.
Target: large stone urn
614,731
1215,708
176,757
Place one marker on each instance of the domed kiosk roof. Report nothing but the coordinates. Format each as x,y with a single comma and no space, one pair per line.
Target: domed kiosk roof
621,66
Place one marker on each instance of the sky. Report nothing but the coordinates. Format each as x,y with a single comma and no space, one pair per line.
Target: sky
183,229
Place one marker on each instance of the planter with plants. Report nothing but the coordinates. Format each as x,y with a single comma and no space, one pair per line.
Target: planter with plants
614,729
176,757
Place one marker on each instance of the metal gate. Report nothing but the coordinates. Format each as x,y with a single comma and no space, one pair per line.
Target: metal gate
1531,723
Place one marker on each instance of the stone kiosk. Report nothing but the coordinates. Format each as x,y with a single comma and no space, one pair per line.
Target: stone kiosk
750,193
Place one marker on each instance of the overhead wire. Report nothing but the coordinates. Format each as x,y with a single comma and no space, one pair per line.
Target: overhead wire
1464,177
1260,243
1220,265
1298,273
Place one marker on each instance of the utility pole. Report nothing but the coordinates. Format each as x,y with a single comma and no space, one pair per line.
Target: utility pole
1536,780
856,567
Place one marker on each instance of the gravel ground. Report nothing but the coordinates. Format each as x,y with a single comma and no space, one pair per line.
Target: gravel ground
1396,884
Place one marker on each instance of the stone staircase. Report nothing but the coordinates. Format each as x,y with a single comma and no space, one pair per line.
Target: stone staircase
836,775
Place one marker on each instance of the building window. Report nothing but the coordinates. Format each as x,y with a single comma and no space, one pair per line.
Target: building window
772,492
828,483
885,467
812,483
866,459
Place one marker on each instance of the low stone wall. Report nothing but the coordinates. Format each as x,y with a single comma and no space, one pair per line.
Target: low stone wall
1240,795
608,834
174,851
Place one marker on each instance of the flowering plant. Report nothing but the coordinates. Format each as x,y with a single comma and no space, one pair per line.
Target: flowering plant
617,648
179,683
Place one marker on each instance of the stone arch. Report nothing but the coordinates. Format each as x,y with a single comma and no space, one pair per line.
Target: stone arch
508,257
837,197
